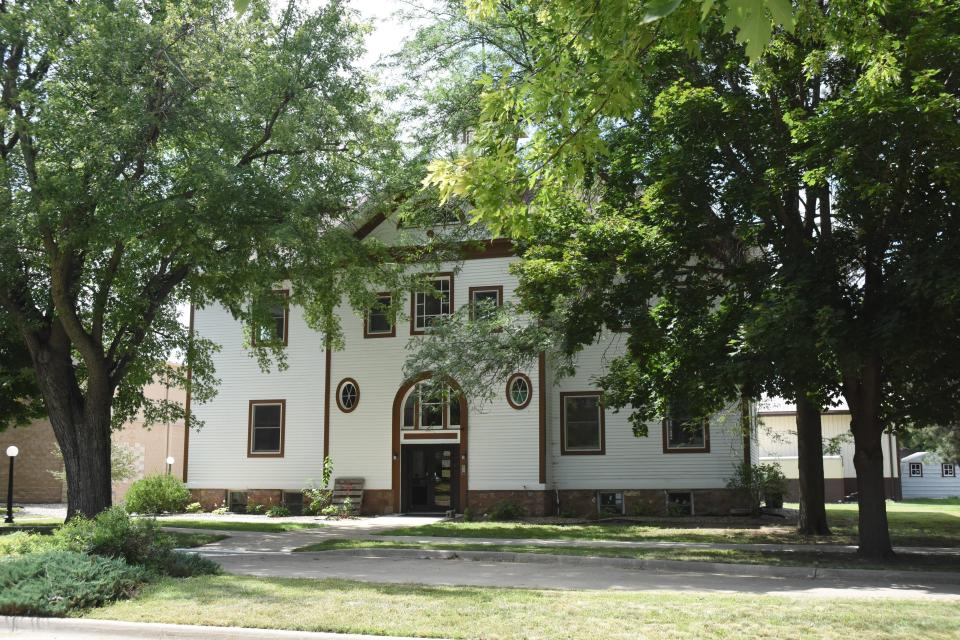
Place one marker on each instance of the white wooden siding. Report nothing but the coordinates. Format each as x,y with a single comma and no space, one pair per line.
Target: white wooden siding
638,463
931,485
218,453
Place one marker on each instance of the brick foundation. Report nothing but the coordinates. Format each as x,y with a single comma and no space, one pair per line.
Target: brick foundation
265,497
377,502
535,503
209,499
651,502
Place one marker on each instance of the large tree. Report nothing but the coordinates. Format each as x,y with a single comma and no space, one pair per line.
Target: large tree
159,153
793,220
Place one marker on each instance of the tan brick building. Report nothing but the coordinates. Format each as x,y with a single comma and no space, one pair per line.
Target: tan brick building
34,482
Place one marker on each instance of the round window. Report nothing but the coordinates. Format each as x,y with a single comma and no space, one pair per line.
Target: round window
348,395
519,391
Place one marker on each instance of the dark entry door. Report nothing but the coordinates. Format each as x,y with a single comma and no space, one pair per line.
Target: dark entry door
430,478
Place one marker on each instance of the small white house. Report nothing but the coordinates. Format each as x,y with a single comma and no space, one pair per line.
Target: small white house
926,475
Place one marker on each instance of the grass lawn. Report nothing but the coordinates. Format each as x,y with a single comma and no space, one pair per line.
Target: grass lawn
238,525
189,539
905,562
33,521
478,612
915,523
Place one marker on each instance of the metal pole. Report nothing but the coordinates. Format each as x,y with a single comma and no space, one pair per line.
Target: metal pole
9,518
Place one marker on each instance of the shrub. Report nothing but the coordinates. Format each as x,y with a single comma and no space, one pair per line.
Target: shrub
255,509
278,511
469,515
113,533
21,543
319,496
157,494
194,507
186,565
220,511
56,582
506,510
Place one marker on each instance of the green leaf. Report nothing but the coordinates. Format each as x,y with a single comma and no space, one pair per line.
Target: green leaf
240,6
657,9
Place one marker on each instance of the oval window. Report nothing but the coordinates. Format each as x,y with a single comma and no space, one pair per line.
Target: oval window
348,395
519,391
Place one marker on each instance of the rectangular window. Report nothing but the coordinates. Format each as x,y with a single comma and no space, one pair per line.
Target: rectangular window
916,470
581,423
948,470
237,501
266,428
379,321
275,330
610,503
484,300
429,306
679,503
685,435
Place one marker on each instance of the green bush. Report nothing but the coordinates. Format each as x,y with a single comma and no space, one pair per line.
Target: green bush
157,494
21,543
278,511
194,507
115,534
186,565
319,495
57,582
506,510
255,509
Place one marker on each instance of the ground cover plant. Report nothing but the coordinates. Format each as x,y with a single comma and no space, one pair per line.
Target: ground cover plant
911,524
497,613
85,563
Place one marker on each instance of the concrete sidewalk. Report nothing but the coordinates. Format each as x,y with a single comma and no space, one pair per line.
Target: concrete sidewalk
572,572
80,629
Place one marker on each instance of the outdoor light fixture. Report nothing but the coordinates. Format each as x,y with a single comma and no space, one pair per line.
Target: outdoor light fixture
12,452
169,464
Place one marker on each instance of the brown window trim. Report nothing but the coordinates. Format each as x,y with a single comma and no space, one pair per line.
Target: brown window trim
563,435
910,469
446,426
413,302
340,388
393,323
510,381
493,287
283,429
285,295
706,440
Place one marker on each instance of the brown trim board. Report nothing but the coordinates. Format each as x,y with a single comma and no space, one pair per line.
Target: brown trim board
542,399
186,403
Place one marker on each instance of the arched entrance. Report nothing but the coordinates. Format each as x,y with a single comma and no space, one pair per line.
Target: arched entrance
429,448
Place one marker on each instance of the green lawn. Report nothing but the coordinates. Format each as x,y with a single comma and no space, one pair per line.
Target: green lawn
476,612
190,539
33,521
905,561
235,525
911,524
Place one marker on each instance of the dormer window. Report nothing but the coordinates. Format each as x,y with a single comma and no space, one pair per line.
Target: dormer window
434,303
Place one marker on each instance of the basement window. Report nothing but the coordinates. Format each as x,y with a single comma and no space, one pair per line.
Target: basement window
679,503
237,501
610,503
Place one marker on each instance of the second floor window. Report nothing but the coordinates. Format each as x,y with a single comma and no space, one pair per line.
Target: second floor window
273,328
432,304
484,301
378,322
427,407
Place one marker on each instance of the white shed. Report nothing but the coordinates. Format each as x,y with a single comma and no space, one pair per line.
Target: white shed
926,475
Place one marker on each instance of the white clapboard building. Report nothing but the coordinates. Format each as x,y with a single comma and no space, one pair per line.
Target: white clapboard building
549,447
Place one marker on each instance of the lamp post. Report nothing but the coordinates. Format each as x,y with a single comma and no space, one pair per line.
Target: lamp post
169,464
12,452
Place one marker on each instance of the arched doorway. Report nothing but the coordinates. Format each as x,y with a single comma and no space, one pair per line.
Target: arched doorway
429,472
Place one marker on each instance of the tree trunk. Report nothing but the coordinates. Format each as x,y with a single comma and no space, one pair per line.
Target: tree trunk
81,423
868,460
813,512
